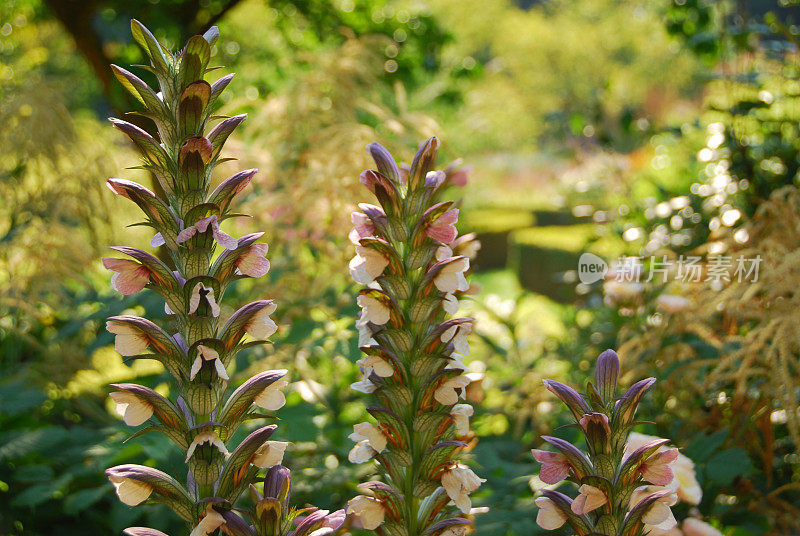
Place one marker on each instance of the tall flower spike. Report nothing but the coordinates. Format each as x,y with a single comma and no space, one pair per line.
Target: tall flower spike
411,366
614,498
203,260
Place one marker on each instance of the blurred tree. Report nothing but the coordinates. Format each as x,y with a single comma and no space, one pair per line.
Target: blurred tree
82,19
414,54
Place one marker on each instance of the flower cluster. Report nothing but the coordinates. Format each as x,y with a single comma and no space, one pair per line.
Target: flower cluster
202,261
409,256
625,488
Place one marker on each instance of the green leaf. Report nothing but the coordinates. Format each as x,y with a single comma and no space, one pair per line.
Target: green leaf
34,473
724,467
703,446
150,45
32,441
33,496
81,500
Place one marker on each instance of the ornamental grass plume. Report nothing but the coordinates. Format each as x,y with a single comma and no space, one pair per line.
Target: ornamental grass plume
202,261
407,256
619,493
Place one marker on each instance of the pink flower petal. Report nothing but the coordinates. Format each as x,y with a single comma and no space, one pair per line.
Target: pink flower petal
225,240
449,217
130,281
119,265
252,262
553,473
202,225
658,474
186,234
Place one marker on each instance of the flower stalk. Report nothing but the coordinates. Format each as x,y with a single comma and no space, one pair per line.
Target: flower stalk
621,491
203,260
407,256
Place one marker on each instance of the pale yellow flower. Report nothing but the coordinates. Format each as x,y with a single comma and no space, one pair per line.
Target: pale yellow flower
659,516
368,509
367,265
131,492
459,481
461,414
371,433
373,309
589,498
449,392
376,364
212,520
204,353
128,340
550,517
260,325
206,436
133,409
272,398
270,454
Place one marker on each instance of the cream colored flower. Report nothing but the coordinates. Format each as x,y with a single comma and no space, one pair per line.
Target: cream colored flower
130,491
461,413
206,436
204,353
589,498
459,481
695,527
549,516
659,516
451,276
368,509
376,364
373,309
685,481
199,291
260,325
457,362
361,452
270,454
450,304
133,409
128,340
447,394
272,398
367,265
364,386
364,332
457,334
365,431
212,520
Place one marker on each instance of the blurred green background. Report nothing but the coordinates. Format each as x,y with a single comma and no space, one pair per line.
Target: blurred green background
611,126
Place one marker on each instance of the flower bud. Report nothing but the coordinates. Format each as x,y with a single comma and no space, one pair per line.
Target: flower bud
607,374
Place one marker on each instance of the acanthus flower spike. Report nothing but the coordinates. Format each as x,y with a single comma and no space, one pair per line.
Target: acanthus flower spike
203,260
413,366
613,495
